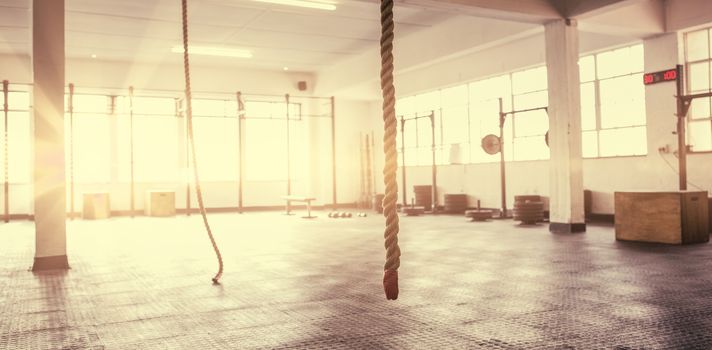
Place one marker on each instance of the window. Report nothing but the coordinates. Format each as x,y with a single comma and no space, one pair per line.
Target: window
88,139
418,129
698,59
485,97
530,92
19,135
266,149
215,129
613,119
455,124
155,140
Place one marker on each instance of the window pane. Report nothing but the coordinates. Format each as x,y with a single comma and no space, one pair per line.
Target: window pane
697,45
18,101
700,108
589,143
530,148
622,102
588,106
619,62
92,148
531,123
89,103
278,110
700,136
405,106
265,150
425,136
155,148
587,69
457,153
491,89
425,156
623,142
411,157
534,122
258,109
699,76
217,148
455,125
411,134
424,103
209,108
484,120
19,147
454,96
154,106
529,80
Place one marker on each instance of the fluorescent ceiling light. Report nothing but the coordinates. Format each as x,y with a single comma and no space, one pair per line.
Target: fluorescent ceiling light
312,4
214,51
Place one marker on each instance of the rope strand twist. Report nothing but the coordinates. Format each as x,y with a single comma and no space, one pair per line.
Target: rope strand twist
390,276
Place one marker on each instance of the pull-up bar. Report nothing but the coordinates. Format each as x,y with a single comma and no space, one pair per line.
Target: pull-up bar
403,119
492,144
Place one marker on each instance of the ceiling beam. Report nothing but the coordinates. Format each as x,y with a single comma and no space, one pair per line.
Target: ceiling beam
527,11
587,8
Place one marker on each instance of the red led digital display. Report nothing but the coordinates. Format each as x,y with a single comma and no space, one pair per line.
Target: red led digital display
659,77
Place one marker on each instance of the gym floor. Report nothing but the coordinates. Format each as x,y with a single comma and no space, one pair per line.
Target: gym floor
144,283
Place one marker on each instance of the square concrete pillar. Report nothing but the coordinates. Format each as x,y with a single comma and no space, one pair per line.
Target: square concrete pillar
48,94
566,174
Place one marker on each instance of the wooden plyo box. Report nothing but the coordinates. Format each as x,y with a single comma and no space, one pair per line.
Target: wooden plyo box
674,217
96,206
160,203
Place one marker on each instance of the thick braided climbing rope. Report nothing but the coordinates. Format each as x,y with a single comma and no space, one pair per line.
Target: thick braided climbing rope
390,275
191,141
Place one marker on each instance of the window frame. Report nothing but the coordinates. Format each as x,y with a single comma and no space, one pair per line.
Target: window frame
688,86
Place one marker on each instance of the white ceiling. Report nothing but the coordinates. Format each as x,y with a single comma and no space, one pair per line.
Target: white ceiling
278,36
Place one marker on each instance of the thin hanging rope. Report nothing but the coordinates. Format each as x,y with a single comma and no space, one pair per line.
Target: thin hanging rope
191,141
390,275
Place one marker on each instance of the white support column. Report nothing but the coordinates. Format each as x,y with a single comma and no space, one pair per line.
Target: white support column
49,176
566,175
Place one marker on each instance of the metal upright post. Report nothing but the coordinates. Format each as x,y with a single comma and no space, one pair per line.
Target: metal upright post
503,178
333,153
434,166
131,150
5,93
405,196
681,132
289,161
179,113
240,156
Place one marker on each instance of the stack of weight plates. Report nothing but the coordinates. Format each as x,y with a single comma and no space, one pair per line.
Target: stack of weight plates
378,203
423,196
455,203
528,209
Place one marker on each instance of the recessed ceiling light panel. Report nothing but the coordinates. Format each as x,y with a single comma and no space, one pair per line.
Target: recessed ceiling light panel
312,4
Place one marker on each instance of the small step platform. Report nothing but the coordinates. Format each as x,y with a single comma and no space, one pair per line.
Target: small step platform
479,214
413,211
